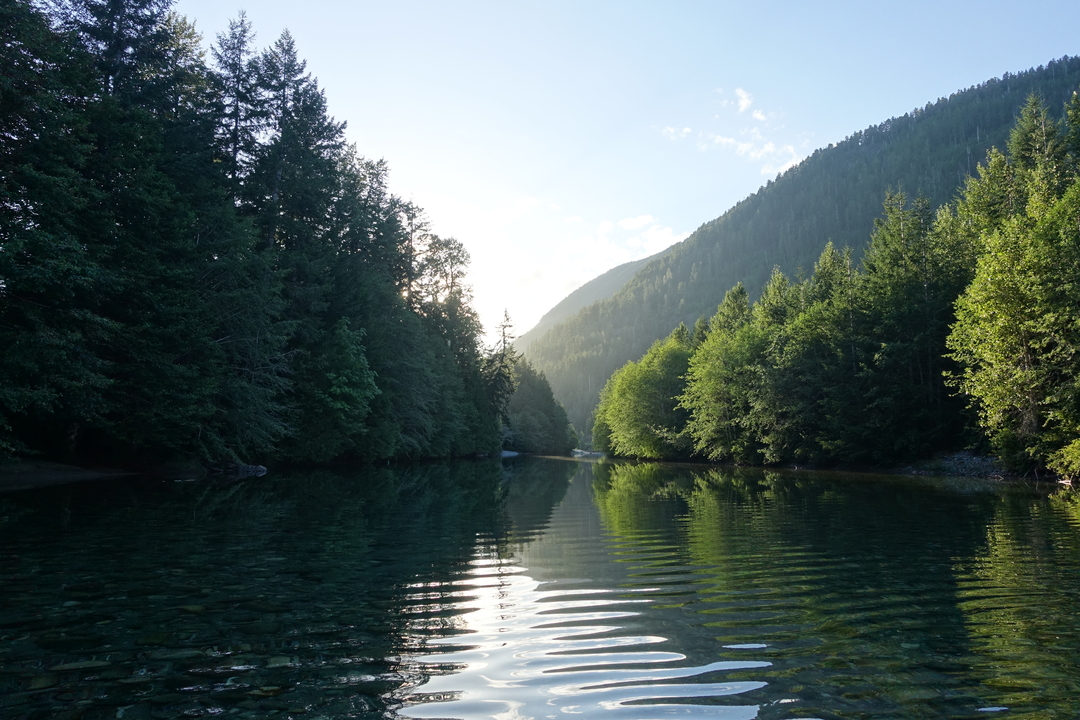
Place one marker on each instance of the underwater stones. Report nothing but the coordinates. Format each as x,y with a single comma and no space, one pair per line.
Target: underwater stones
267,691
43,681
175,654
82,665
138,711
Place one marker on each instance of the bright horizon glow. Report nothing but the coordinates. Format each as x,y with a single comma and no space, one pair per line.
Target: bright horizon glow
557,140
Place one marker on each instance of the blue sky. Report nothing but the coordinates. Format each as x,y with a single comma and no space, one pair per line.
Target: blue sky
559,139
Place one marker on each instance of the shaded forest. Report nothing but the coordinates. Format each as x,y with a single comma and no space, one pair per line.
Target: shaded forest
194,263
834,195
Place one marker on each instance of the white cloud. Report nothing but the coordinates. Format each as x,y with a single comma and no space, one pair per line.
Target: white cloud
708,141
745,99
675,133
792,161
754,146
655,239
758,115
636,223
574,219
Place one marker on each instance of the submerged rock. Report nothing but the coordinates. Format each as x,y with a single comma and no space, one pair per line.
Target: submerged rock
84,665
40,682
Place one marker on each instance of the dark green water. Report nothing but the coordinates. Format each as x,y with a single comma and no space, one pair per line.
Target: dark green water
546,589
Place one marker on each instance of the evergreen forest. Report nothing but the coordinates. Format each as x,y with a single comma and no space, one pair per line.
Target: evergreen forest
958,328
195,264
833,195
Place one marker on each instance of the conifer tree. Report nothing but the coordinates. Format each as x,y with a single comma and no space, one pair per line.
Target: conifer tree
719,379
497,370
640,404
1071,139
52,373
127,40
1014,336
241,96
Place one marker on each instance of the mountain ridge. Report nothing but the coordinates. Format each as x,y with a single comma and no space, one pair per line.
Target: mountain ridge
600,287
834,194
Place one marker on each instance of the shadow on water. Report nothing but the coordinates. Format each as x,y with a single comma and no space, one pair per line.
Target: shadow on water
539,588
533,489
150,599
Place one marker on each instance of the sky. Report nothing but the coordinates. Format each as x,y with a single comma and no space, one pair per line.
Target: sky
558,139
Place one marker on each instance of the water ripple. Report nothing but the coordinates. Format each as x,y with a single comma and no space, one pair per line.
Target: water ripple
561,650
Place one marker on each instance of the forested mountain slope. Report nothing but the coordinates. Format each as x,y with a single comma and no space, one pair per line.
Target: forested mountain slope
600,287
834,195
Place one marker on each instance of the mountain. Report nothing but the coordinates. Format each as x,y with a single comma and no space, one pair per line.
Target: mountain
599,288
834,194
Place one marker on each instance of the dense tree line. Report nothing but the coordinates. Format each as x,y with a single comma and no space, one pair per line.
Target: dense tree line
536,422
957,327
833,195
195,263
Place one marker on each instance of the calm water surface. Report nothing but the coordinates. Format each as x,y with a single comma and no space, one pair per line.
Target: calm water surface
541,589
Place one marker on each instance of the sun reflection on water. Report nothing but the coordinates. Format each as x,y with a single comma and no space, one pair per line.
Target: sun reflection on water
522,648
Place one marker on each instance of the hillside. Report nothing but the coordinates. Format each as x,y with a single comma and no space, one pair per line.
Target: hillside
599,288
834,194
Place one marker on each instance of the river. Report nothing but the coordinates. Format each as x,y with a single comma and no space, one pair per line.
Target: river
542,588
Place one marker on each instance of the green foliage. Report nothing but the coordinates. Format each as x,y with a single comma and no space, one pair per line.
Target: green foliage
1017,340
832,195
639,405
1071,137
849,366
845,366
1035,137
721,380
804,375
537,422
240,96
47,366
497,371
193,262
333,388
913,274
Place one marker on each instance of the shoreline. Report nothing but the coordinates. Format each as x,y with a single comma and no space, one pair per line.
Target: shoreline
33,474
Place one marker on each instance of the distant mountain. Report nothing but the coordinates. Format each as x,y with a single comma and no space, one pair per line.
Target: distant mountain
834,194
599,288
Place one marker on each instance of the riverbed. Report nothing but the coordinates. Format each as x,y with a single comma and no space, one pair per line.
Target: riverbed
539,588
